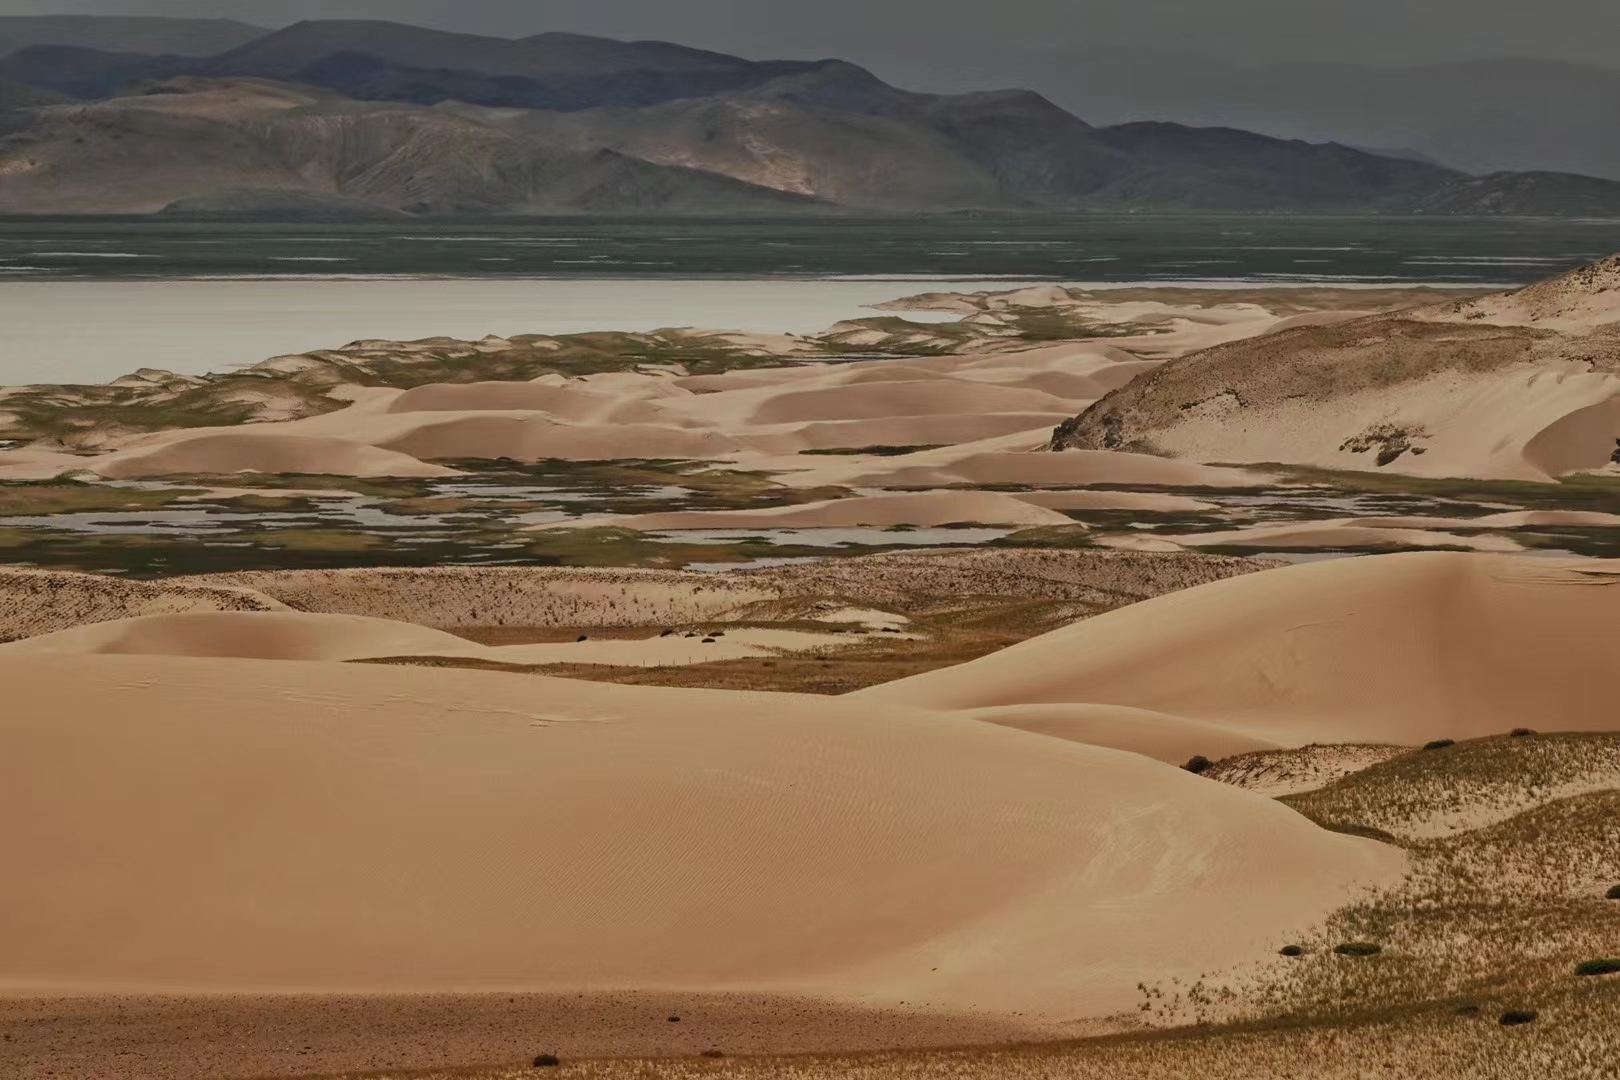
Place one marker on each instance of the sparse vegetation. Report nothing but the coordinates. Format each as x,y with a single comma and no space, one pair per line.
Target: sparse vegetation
1358,948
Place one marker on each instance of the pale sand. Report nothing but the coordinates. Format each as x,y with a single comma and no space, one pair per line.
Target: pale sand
928,508
298,635
355,828
1340,533
1390,648
258,450
1150,502
1585,299
1077,467
1530,422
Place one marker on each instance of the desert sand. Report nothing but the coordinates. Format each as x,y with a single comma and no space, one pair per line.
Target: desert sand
1394,648
297,635
1519,385
543,834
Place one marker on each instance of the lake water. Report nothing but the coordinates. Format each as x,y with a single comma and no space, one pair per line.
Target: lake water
88,300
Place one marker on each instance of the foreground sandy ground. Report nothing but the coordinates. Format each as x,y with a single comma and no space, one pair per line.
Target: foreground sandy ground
995,853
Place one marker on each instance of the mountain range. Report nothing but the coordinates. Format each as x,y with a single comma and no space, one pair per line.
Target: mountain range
1480,116
342,118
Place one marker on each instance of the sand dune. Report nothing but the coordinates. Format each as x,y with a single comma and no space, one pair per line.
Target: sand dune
245,450
363,828
1342,533
1171,739
262,635
1583,299
1515,386
1391,648
540,596
1149,501
533,437
297,635
922,508
1079,467
889,399
900,431
43,601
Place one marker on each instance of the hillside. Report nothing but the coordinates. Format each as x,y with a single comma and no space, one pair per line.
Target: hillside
242,145
1523,385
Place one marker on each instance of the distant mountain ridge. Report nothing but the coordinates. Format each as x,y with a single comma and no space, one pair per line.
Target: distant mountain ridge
767,133
136,33
1481,116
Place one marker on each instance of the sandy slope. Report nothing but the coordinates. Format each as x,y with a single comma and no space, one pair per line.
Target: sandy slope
1522,385
1341,534
387,829
44,601
1391,648
298,635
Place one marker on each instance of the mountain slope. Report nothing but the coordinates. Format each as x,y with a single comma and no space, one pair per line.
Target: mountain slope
1491,115
244,142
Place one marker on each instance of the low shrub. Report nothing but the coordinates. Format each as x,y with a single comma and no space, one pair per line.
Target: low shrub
1516,1016
1522,732
1439,744
713,1053
1292,950
547,1061
674,1019
1198,763
1613,893
1606,966
1358,948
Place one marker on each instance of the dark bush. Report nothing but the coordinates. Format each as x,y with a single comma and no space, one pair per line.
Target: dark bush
1358,948
1468,1010
1292,950
1613,893
547,1061
1522,732
1607,966
1439,744
674,1019
1198,763
713,1053
582,637
1516,1016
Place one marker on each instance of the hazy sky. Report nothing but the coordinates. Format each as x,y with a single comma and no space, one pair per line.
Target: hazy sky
1386,31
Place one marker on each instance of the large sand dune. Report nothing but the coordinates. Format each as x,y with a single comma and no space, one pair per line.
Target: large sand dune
1522,385
297,635
233,450
920,508
1391,648
303,826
